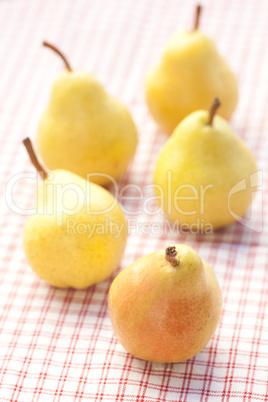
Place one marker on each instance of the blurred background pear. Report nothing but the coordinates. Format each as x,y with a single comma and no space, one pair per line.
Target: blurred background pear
190,74
84,129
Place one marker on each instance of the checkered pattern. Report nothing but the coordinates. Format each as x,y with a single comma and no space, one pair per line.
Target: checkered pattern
58,345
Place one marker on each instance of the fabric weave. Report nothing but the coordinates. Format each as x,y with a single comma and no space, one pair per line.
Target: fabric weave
58,345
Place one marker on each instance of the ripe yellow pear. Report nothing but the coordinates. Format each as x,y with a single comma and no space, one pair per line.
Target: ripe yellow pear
166,306
189,75
78,233
85,130
204,174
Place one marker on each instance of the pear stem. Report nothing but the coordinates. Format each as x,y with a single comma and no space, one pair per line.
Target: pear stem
40,169
170,256
213,109
56,50
197,17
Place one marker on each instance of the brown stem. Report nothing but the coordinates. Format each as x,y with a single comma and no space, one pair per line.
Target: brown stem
213,109
197,16
40,169
56,50
170,256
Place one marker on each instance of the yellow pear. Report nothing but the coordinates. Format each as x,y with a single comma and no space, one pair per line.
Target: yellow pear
84,129
78,233
166,306
204,174
189,75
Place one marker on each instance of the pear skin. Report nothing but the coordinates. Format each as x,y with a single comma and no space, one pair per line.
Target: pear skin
85,130
78,233
190,74
164,312
198,171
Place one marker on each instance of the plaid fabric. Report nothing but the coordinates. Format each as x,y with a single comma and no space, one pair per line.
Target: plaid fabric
58,345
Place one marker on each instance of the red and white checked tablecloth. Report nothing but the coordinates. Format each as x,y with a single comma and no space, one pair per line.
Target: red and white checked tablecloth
58,345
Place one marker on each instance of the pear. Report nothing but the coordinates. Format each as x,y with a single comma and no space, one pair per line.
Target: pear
204,173
189,75
78,233
85,130
166,306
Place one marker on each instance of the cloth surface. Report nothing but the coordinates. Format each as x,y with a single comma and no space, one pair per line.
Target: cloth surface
58,345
